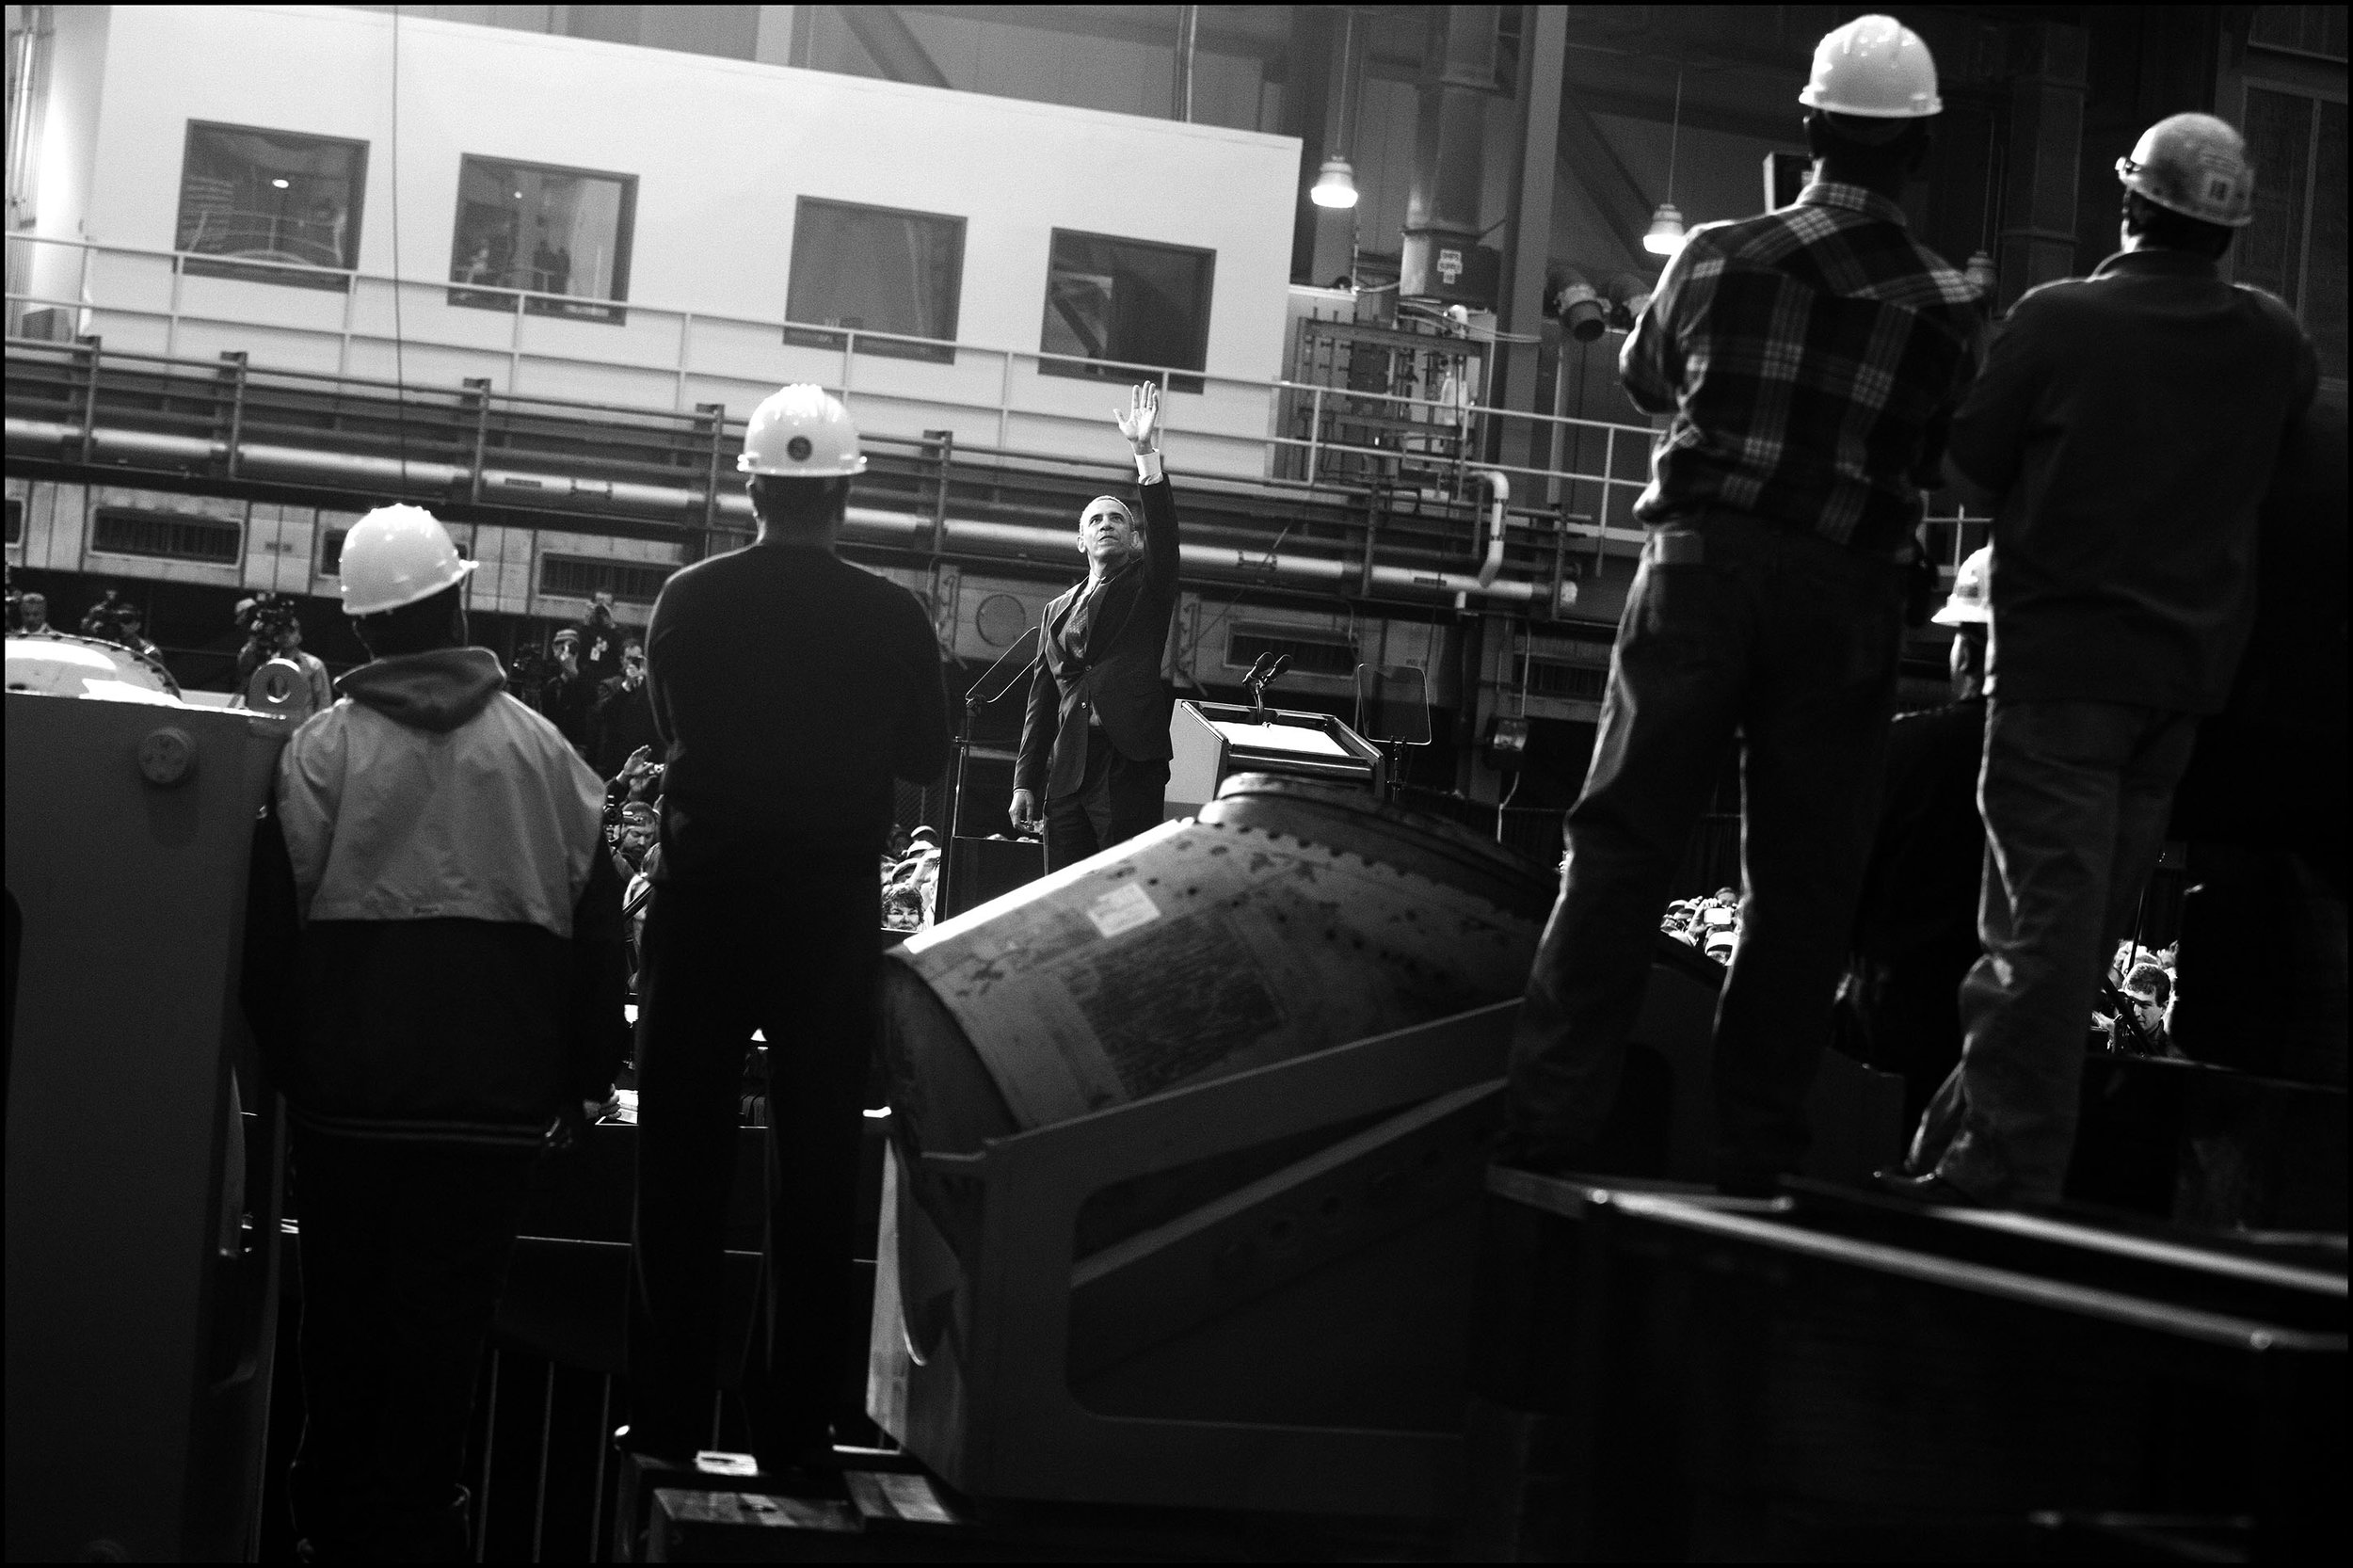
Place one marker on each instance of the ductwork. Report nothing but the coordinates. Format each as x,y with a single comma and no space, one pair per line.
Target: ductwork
863,524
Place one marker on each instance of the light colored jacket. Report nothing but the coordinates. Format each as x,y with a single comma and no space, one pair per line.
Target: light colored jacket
428,793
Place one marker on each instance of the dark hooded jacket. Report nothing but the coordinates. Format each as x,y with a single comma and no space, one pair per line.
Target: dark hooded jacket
435,944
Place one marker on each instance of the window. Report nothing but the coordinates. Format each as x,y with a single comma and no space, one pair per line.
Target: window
331,552
272,197
2295,245
16,520
1128,302
167,536
542,231
578,577
875,269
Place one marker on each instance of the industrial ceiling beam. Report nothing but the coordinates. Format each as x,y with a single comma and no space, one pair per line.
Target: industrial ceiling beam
1587,158
884,35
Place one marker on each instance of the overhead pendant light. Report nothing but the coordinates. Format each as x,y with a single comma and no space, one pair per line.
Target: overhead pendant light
1666,225
1336,184
1980,274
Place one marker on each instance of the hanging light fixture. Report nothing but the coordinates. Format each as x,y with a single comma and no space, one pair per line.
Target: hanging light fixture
1980,274
1666,225
1336,184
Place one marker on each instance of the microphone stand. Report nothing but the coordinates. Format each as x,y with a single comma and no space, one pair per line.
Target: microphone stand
976,698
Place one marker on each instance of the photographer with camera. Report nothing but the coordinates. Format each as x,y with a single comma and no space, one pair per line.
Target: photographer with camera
272,631
622,723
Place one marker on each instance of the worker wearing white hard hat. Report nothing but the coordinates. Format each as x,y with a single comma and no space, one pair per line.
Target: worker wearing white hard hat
789,690
451,989
1916,927
1807,359
2124,433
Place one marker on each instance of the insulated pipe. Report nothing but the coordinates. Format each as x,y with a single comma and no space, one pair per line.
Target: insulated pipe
864,524
1502,485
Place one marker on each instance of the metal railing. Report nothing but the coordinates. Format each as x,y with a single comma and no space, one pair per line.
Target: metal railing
676,361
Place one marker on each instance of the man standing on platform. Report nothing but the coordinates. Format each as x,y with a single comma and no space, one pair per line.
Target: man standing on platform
2128,424
1810,358
1095,737
791,688
456,991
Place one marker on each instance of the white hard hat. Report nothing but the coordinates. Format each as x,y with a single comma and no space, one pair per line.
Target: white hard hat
397,555
2195,165
1970,603
1873,66
801,432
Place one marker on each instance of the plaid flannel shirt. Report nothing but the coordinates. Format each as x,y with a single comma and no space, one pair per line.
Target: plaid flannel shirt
1812,358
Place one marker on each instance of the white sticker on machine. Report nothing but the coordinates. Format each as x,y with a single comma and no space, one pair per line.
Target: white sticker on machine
1123,908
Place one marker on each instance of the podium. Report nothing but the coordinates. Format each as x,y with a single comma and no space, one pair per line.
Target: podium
1209,741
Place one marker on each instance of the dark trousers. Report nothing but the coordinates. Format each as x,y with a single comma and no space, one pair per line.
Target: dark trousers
799,963
1117,798
403,1249
1790,642
2075,797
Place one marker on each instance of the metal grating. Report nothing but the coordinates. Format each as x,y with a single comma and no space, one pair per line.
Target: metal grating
1309,655
167,536
581,577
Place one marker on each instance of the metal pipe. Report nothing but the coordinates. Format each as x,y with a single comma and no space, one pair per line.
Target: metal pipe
861,524
1187,35
1501,487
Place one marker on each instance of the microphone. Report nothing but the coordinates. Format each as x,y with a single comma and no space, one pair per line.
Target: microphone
1258,671
1282,663
1026,640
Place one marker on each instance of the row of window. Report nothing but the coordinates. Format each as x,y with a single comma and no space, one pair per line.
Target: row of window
527,229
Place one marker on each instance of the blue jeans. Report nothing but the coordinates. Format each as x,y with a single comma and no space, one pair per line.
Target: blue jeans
2075,797
1735,631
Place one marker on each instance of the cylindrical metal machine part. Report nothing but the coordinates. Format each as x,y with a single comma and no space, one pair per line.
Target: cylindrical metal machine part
1288,917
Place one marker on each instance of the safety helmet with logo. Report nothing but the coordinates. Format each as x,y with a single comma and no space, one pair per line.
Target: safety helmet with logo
2194,164
1875,68
1970,603
801,432
397,555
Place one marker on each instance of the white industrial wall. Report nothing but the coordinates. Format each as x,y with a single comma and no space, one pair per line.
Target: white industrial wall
721,150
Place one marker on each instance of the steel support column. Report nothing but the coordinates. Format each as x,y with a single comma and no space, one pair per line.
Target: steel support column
1543,41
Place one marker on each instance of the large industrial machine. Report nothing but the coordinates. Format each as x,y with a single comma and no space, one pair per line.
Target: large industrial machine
143,1153
1182,1206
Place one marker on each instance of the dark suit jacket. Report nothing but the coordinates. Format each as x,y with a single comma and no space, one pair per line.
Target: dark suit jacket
1104,660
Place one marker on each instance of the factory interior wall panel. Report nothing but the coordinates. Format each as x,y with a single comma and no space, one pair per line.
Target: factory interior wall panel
715,194
280,544
224,300
502,581
596,383
277,347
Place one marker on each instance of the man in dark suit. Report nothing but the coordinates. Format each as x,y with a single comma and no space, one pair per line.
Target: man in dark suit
1094,740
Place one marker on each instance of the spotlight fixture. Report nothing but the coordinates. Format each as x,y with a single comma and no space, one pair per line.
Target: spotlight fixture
1336,184
278,185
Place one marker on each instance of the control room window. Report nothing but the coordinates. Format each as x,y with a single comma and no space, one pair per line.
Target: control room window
542,231
271,197
877,269
2295,245
1128,302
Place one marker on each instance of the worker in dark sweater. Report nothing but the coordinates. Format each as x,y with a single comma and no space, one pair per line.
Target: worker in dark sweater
1916,928
790,688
